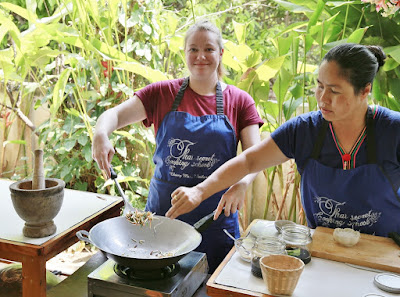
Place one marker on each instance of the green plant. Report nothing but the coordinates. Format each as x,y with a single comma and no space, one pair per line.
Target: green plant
78,58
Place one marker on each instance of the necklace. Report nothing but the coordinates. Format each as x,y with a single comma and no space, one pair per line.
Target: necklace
349,159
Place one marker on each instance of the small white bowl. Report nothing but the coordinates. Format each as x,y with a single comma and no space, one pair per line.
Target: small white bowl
243,246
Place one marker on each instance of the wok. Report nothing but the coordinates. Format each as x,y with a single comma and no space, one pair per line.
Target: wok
146,247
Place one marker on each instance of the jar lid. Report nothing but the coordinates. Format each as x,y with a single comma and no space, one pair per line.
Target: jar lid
263,228
388,282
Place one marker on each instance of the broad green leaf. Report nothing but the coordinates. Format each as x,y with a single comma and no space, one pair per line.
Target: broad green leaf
290,106
172,22
240,31
357,35
308,42
254,59
296,90
229,60
22,12
247,83
316,14
337,4
58,93
83,139
293,7
147,72
175,44
393,104
43,56
293,27
261,93
271,108
282,84
376,90
320,32
239,51
284,44
394,52
65,171
390,64
69,144
394,87
8,26
87,152
270,68
72,111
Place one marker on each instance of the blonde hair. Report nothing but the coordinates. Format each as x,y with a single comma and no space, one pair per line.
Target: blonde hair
206,25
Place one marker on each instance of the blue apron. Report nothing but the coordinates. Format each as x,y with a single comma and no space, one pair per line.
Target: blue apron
188,149
362,198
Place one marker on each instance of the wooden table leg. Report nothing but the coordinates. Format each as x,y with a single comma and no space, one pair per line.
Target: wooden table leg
34,276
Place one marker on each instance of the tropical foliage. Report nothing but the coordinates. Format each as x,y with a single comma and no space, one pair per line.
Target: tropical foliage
78,58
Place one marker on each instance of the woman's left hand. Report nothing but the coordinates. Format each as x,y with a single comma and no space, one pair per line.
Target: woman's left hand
232,200
183,201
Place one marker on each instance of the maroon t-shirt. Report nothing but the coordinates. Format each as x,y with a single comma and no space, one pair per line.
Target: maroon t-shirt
158,97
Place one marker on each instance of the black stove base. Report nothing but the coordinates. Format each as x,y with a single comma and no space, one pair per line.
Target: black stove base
103,282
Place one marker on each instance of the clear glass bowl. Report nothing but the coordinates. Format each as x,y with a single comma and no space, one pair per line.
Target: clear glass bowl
243,246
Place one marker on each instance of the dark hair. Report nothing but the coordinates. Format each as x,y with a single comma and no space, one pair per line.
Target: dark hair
359,63
206,25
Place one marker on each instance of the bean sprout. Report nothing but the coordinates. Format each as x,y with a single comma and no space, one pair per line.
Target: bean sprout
139,217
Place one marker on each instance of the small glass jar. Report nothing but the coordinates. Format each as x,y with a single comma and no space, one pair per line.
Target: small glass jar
298,241
265,246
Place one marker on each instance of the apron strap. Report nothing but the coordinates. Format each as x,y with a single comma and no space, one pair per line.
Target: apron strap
219,97
179,96
320,140
371,145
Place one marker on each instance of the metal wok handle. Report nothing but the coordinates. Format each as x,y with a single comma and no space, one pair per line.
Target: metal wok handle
83,235
204,222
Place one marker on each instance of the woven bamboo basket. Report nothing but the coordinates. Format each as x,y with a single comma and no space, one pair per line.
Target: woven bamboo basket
281,273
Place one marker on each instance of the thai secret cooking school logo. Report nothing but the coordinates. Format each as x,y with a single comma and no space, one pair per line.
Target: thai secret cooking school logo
330,214
184,164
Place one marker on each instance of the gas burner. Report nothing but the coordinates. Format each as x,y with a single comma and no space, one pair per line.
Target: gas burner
188,275
134,274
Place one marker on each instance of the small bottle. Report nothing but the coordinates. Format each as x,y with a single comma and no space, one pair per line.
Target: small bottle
265,246
298,241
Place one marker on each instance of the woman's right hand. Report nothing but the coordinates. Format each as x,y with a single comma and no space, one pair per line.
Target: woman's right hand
102,151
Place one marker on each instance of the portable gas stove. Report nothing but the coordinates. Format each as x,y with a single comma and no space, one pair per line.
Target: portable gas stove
178,280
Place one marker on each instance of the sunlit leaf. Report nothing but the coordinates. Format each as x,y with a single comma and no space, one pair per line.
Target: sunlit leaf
22,12
270,68
317,13
357,35
58,93
8,26
147,72
293,7
239,51
230,61
175,44
240,31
